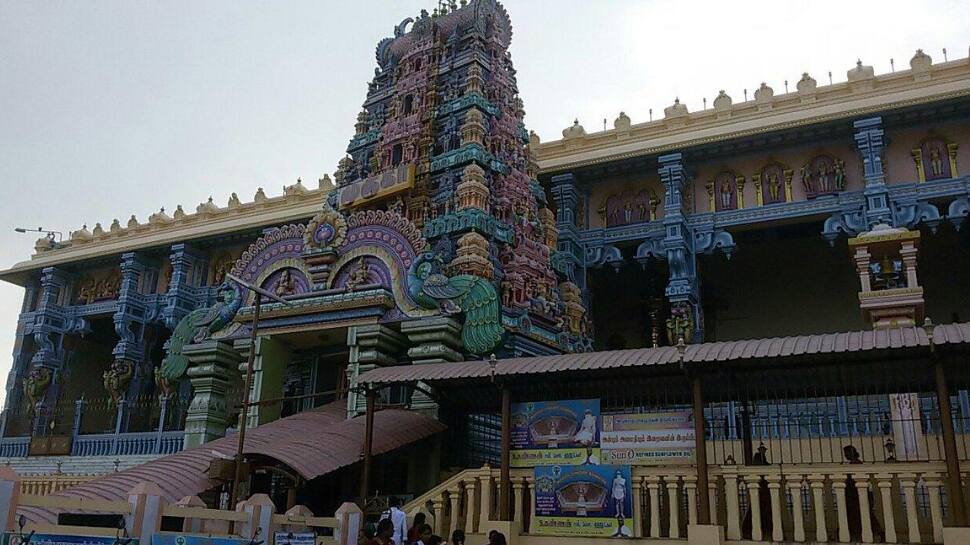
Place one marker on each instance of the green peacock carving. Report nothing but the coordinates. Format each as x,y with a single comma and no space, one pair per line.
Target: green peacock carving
474,296
196,326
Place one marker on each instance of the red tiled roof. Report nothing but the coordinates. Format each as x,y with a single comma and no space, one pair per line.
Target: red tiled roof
777,347
312,443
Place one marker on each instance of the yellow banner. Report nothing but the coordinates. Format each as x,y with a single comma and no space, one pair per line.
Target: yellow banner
582,527
554,457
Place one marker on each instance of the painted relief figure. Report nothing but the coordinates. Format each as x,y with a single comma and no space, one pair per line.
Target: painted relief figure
725,191
823,175
936,159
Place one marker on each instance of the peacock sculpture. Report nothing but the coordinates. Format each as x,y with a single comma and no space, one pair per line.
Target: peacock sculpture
473,295
196,326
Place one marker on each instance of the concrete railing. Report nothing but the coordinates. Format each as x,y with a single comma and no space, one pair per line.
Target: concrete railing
145,507
810,503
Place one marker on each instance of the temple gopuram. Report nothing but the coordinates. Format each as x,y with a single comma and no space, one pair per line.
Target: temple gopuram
748,323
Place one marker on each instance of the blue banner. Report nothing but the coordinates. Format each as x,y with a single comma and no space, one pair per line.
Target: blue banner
589,501
13,538
555,433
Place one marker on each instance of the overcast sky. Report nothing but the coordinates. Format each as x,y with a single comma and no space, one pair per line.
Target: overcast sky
109,109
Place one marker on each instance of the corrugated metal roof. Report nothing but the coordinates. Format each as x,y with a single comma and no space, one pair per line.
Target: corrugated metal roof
312,443
775,347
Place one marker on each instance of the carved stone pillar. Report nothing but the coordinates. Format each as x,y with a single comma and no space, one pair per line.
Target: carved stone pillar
678,243
566,197
370,345
454,497
907,481
838,487
731,502
131,316
653,487
637,506
774,490
817,483
798,515
673,505
212,365
269,366
470,506
182,296
869,141
432,340
885,484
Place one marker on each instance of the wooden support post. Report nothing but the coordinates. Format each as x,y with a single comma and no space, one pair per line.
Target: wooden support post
368,446
244,408
954,491
504,477
700,447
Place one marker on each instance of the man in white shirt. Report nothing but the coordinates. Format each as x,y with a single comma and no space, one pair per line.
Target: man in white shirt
398,519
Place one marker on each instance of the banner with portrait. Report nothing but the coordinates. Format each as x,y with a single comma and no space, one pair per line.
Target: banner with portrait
583,501
555,433
643,439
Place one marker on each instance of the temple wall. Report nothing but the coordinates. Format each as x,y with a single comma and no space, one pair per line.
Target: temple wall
899,164
755,294
944,272
791,157
605,188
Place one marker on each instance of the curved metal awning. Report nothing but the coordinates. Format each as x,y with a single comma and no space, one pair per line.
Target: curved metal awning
311,443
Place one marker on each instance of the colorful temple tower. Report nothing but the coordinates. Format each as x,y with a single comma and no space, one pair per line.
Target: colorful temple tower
441,141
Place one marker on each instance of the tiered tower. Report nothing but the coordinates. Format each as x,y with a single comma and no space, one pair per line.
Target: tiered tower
441,141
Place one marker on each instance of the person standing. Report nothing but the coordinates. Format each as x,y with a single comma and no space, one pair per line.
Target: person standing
414,533
398,521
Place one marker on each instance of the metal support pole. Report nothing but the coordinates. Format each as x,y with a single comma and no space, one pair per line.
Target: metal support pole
954,485
119,419
368,445
700,452
505,476
162,414
243,410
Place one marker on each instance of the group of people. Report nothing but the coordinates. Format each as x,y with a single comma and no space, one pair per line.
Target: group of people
392,529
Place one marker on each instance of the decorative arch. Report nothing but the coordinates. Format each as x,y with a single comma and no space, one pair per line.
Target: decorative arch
388,243
266,258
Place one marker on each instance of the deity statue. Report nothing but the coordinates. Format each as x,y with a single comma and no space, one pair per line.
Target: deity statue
284,286
35,385
396,206
823,176
936,162
839,174
628,211
806,178
726,196
359,276
680,325
774,186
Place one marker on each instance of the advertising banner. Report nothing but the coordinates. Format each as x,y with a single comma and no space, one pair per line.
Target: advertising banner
647,438
555,433
189,539
14,538
583,501
294,538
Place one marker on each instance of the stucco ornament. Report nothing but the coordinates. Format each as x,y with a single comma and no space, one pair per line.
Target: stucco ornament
116,379
196,326
36,383
327,229
474,296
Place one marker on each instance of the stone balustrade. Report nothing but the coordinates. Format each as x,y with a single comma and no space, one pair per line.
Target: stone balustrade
802,503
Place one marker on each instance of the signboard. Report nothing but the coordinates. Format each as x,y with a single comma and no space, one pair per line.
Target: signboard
294,538
555,432
190,539
583,501
648,438
13,538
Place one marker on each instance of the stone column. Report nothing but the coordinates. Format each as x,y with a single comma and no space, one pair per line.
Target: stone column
754,504
774,490
370,345
862,489
269,367
518,515
731,502
817,483
129,319
454,498
678,243
211,367
182,297
470,506
838,486
798,516
933,486
485,480
673,505
907,481
885,483
432,340
653,486
566,197
637,506
690,489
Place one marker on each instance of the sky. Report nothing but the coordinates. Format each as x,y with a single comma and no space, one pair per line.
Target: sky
109,109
